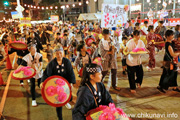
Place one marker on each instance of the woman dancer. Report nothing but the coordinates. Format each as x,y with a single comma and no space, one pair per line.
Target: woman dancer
91,93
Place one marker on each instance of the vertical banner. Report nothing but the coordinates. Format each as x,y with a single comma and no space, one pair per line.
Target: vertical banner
113,15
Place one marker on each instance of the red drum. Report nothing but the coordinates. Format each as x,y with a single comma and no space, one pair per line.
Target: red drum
18,45
89,41
89,51
106,113
56,91
23,73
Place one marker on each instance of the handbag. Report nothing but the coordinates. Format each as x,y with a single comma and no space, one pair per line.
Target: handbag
170,64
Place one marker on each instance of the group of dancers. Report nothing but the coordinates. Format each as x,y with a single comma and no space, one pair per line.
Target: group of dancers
65,53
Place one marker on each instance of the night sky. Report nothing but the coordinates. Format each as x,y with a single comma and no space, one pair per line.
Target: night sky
24,1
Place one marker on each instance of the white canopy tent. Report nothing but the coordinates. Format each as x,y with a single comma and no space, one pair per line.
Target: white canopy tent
90,16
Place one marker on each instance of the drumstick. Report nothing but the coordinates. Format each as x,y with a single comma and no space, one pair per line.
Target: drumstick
14,61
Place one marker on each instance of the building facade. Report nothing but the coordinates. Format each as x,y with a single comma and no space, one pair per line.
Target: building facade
72,8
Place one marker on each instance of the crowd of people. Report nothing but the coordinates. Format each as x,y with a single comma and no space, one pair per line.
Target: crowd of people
66,53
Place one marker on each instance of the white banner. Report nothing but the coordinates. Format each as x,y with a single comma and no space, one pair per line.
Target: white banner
136,7
113,15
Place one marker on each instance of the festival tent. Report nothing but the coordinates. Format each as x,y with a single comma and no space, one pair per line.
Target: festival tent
90,16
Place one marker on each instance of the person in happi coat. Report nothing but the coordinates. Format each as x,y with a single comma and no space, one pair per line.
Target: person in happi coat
59,66
134,63
108,52
169,74
91,93
33,40
20,54
34,60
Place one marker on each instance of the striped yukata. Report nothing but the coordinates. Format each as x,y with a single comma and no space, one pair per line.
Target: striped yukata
109,61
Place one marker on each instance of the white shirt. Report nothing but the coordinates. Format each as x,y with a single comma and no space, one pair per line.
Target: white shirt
144,29
105,44
155,25
134,60
28,58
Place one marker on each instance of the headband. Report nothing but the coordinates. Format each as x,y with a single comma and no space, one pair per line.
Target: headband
93,70
31,45
58,49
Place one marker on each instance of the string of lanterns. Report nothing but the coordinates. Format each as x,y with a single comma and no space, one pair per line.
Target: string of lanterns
159,1
54,7
49,7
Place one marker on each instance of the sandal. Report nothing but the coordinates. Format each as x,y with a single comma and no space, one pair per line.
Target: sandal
116,88
177,89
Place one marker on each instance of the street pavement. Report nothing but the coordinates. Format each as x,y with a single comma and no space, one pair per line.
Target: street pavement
147,104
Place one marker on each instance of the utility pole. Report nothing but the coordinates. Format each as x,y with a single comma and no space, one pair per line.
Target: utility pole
130,8
174,7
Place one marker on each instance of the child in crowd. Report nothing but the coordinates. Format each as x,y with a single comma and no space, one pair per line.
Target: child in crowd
123,57
82,58
108,52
